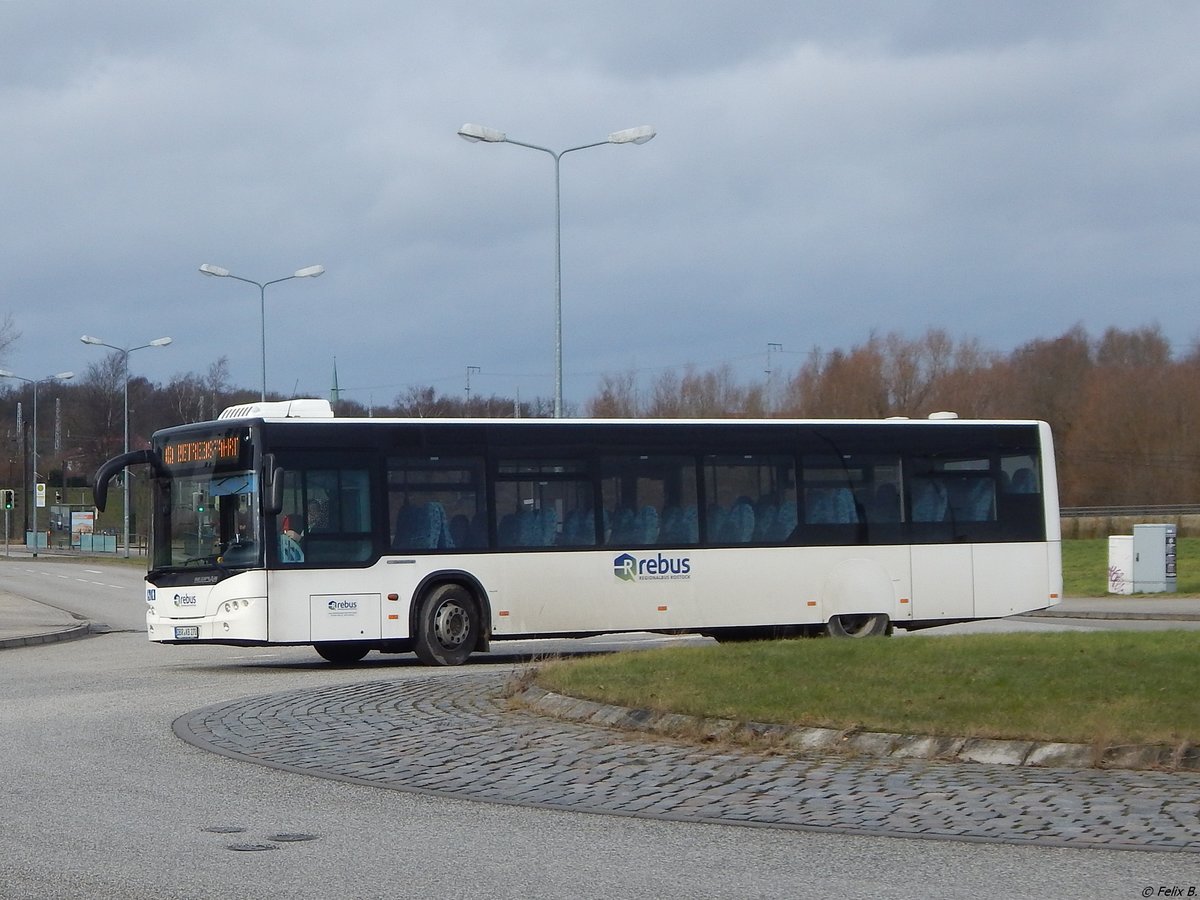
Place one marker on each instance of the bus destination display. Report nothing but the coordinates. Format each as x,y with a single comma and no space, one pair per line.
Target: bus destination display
226,448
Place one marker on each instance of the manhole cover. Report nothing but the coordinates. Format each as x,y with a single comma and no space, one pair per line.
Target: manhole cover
290,838
251,847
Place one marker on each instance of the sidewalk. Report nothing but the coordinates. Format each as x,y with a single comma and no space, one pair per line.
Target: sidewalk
26,622
1158,606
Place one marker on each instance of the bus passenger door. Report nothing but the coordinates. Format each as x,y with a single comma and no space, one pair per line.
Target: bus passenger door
942,581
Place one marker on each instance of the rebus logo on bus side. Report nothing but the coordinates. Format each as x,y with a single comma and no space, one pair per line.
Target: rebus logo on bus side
628,567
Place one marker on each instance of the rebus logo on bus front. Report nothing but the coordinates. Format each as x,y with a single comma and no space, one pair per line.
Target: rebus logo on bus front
628,567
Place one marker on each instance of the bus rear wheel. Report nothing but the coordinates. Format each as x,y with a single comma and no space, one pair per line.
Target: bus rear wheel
342,653
858,626
447,627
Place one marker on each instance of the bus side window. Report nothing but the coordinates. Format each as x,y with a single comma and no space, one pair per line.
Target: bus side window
649,500
751,498
435,503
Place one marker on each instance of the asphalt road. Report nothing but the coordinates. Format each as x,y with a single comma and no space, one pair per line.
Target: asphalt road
100,799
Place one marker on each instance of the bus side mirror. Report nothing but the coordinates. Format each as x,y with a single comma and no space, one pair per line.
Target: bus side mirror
116,466
273,497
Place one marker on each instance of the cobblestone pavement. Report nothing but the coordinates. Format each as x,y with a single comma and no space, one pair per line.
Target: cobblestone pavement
455,736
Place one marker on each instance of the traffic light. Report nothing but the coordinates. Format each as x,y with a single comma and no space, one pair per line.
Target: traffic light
9,498
198,501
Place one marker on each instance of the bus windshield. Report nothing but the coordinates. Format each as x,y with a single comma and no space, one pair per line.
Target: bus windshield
209,519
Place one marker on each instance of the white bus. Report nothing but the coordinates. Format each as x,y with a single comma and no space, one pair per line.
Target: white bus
279,524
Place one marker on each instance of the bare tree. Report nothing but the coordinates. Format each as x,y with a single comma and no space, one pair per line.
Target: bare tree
617,398
8,334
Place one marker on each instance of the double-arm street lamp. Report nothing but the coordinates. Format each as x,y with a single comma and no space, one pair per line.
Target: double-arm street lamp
638,135
61,376
306,272
125,351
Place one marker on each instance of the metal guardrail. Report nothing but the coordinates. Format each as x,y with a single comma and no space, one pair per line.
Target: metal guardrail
1178,509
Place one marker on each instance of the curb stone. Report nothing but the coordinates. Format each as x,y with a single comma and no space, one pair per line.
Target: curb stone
864,743
68,633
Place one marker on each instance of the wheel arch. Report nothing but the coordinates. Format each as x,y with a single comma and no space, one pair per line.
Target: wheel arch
465,580
857,586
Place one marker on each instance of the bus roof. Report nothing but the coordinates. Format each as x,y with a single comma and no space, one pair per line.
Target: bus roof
306,409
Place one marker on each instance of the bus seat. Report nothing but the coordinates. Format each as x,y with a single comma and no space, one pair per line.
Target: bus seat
845,511
765,513
460,531
508,533
421,527
635,528
975,501
528,528
579,529
715,521
478,532
647,525
679,525
1023,482
885,507
818,506
738,527
785,522
624,526
929,501
547,527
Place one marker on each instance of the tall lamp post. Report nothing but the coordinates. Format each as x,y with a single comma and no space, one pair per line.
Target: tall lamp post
306,272
125,351
639,135
61,376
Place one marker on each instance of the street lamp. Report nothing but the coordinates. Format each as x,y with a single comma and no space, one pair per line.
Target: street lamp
61,376
125,351
306,272
476,133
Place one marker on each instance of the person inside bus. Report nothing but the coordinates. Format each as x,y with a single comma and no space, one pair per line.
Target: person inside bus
289,540
318,516
317,519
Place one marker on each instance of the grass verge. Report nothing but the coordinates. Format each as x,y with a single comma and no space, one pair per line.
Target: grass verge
1085,567
1099,688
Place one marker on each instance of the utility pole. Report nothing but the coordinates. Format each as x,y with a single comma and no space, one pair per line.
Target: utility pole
470,369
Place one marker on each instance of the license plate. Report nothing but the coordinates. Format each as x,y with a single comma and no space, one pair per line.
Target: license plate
187,632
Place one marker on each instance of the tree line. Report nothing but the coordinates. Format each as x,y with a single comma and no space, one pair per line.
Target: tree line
1124,409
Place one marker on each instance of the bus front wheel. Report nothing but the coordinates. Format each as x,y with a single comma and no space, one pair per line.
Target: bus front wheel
342,653
447,627
857,626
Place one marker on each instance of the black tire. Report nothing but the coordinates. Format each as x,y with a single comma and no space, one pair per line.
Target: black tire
343,653
860,626
447,628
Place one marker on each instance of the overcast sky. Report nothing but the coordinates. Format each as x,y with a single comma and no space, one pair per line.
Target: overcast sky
821,170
